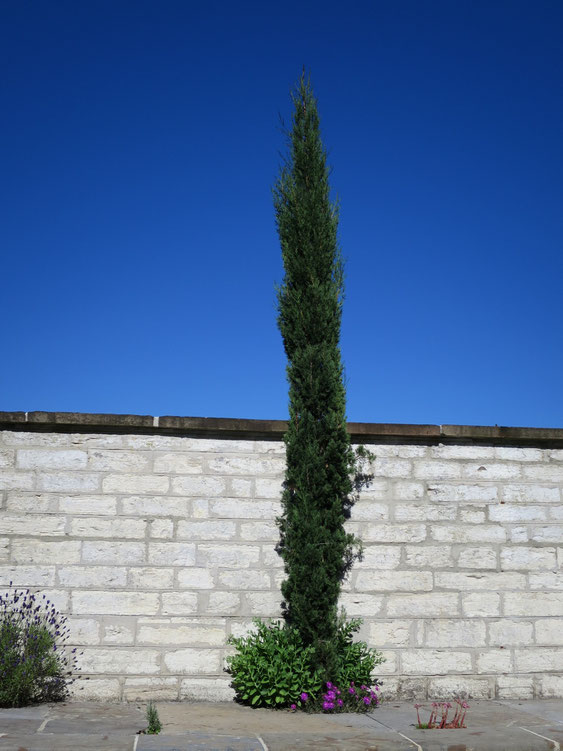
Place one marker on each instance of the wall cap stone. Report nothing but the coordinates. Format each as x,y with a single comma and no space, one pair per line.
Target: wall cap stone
228,427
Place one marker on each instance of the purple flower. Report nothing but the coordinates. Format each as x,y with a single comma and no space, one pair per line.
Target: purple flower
340,703
329,685
293,707
367,700
327,705
351,690
304,696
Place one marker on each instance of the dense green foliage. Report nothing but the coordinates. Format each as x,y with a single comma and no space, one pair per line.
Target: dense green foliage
319,487
34,665
272,667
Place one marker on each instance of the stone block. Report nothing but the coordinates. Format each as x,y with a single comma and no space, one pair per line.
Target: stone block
172,632
472,515
179,464
360,605
223,603
193,661
209,529
519,454
434,662
259,531
515,687
424,512
494,661
37,551
155,689
435,470
97,689
380,557
518,534
370,511
111,660
539,660
455,633
480,533
507,633
83,631
548,580
161,529
51,459
544,472
480,558
92,526
514,513
245,579
266,487
427,605
157,506
533,604
31,503
118,631
97,505
153,578
111,460
171,554
428,556
462,687
4,549
228,556
552,533
179,603
392,468
114,603
549,631
130,483
394,581
92,576
444,493
385,532
479,580
551,686
389,633
462,452
7,458
530,494
195,578
27,576
408,491
263,604
206,689
527,558
195,485
271,559
120,553
241,464
235,508
241,487
489,471
35,525
68,482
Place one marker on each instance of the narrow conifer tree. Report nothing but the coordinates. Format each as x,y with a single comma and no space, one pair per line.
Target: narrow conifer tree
319,488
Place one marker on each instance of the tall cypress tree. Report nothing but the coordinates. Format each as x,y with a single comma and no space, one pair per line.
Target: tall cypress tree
319,489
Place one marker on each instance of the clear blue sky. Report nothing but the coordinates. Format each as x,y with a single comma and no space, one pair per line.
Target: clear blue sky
140,141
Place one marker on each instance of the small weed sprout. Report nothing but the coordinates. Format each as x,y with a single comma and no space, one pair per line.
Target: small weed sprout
153,720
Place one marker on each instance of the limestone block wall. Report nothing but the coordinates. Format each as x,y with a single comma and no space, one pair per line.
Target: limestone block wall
160,546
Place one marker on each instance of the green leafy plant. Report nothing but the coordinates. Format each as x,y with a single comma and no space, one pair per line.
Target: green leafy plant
35,666
153,720
273,667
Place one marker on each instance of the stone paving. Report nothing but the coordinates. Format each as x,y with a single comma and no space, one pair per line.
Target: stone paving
492,726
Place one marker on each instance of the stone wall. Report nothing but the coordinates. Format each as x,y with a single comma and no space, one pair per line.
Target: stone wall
161,546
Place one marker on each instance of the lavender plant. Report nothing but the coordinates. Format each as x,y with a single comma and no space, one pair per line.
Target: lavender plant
35,665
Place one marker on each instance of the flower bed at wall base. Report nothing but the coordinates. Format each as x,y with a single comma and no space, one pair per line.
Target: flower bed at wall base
273,668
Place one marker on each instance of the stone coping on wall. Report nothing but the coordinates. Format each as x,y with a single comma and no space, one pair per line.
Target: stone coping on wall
366,432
